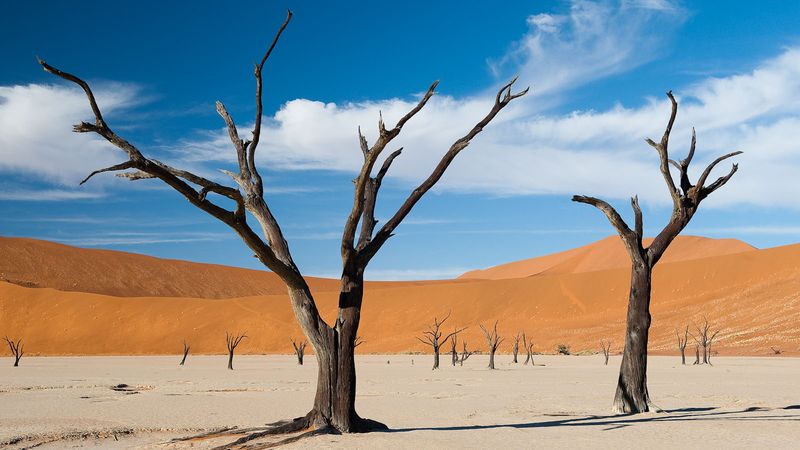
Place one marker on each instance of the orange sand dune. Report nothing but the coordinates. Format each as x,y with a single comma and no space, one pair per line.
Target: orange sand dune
608,253
753,296
37,263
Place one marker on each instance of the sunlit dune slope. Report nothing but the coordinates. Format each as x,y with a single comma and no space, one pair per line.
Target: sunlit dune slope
752,296
608,253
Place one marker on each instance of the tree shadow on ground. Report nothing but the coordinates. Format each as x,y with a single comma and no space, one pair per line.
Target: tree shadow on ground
611,422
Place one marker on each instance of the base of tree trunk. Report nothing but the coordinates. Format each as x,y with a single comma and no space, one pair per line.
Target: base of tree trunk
312,424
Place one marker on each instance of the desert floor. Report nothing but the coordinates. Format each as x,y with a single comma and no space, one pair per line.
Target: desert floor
563,402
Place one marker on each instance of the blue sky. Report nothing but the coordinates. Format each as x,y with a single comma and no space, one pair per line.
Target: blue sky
598,72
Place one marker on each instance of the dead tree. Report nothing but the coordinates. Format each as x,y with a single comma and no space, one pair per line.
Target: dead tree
682,341
528,350
632,395
704,339
299,350
776,351
493,340
333,344
358,341
454,349
696,355
16,349
232,342
433,337
464,354
185,353
515,347
605,346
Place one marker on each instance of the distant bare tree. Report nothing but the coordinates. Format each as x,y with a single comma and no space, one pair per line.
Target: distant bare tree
776,351
682,343
704,339
493,341
454,350
696,355
605,345
433,337
16,349
528,349
632,396
515,348
464,354
299,350
233,342
358,341
185,353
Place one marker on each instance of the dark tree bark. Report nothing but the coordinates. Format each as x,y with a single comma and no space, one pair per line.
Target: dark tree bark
454,349
632,395
605,346
185,353
493,340
704,339
528,350
465,354
233,341
299,350
682,341
16,348
433,337
515,347
334,344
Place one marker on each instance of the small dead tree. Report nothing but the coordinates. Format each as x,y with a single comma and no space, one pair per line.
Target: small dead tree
433,337
334,408
704,339
16,349
515,347
299,350
776,351
605,346
696,355
528,350
454,350
632,396
185,353
464,354
232,342
493,341
682,341
358,341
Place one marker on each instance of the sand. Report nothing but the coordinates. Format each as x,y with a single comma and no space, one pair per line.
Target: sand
563,402
752,296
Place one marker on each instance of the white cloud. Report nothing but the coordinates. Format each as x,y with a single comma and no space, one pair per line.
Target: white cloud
36,135
526,150
46,195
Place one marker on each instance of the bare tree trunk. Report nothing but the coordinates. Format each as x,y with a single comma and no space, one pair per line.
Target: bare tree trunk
454,350
299,350
493,341
334,405
185,353
464,354
16,349
696,355
233,341
632,395
515,348
605,345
